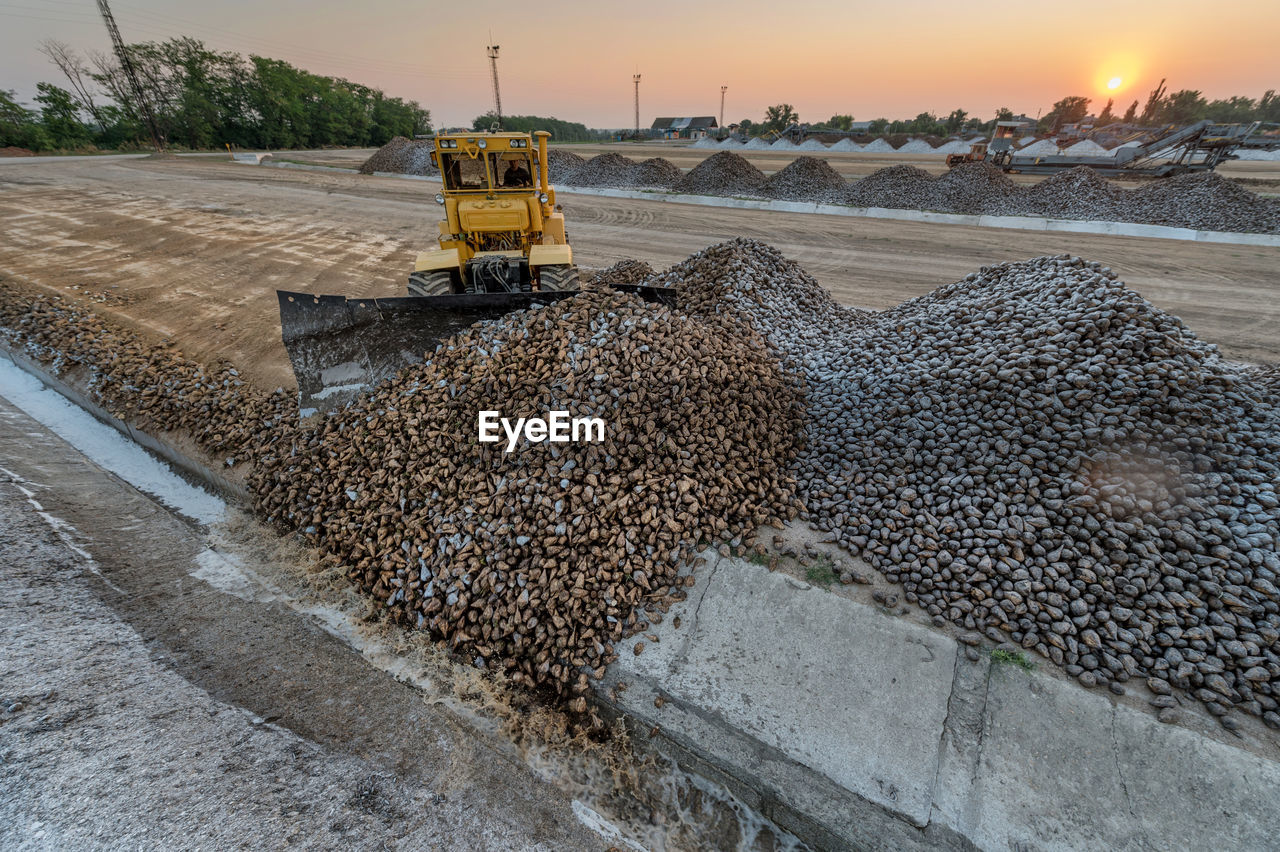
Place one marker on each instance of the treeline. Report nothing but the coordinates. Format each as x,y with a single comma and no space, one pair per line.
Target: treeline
561,131
1161,107
201,99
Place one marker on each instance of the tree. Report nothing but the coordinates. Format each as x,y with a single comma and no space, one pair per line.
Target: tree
76,70
1153,102
747,126
1004,114
955,121
1182,107
1268,107
561,131
779,117
839,122
1069,110
1106,116
61,117
1131,114
878,126
18,125
1232,110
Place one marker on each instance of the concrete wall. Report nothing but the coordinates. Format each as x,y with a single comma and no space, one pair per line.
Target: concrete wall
855,728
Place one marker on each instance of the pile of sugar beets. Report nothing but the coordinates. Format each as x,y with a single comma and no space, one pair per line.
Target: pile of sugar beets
1035,453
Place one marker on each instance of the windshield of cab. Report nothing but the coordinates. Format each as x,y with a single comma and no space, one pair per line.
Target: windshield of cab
458,171
512,169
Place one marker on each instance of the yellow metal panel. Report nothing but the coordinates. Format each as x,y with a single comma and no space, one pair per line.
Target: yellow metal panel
544,255
553,230
438,259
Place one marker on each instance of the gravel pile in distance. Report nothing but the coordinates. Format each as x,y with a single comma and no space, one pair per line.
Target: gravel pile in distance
402,156
1204,201
723,173
655,173
561,164
609,170
902,186
1080,193
535,562
806,179
973,188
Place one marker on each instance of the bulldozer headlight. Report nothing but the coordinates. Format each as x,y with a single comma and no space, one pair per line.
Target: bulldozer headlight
439,198
542,197
483,144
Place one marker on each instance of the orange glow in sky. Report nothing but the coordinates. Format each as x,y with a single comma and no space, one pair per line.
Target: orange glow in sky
575,60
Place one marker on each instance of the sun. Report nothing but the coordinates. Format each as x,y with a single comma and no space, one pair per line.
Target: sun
1114,83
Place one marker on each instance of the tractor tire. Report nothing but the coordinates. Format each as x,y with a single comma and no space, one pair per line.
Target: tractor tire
436,282
559,276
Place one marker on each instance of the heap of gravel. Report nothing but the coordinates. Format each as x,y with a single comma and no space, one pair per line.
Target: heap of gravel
723,173
973,188
1080,193
612,170
1042,457
561,164
623,272
1204,201
402,156
535,562
806,179
900,186
655,173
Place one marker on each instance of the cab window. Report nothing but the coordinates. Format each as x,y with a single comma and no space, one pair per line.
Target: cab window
462,172
511,169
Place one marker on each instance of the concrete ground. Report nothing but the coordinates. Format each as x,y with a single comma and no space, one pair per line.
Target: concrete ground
142,707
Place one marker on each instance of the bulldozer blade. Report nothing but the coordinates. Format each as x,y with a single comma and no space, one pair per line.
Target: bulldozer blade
339,346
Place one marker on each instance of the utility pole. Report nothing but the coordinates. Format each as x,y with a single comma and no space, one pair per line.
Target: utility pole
131,74
636,78
497,96
723,89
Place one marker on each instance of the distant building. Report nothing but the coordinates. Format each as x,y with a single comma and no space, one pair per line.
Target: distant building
683,128
860,127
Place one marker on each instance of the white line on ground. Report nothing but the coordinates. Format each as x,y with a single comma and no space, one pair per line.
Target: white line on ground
106,447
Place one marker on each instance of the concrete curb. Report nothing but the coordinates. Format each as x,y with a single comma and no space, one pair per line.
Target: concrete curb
79,393
853,728
1021,223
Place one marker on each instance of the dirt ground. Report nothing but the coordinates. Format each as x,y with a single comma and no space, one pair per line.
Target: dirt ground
194,249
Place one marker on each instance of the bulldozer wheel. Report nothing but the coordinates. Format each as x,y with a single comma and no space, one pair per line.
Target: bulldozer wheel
435,282
558,276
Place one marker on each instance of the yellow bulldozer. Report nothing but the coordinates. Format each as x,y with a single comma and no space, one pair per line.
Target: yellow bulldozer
501,231
503,248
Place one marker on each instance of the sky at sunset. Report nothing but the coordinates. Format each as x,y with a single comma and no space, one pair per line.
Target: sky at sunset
575,60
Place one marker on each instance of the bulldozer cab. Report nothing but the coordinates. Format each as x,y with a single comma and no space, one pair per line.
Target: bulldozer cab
487,163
